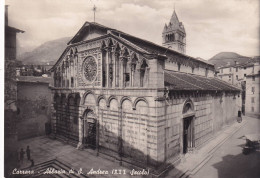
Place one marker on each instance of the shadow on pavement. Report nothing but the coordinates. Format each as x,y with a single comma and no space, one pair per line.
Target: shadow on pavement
234,166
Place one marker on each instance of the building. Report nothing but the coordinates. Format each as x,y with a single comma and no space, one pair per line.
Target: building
34,104
174,35
236,73
10,91
139,102
32,70
243,75
252,106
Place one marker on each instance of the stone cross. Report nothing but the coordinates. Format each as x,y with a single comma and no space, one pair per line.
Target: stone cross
94,10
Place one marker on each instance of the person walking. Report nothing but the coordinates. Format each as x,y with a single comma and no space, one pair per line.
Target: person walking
32,163
21,155
28,153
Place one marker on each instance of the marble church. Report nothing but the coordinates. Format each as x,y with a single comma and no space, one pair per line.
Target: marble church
141,103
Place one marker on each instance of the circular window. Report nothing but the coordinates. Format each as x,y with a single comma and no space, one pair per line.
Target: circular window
90,69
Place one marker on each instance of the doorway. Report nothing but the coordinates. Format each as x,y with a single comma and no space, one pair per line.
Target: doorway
89,127
91,135
188,134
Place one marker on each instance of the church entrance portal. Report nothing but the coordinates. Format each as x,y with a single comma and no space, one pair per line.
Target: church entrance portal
89,130
188,135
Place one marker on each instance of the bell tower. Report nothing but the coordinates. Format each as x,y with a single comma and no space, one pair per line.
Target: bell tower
174,35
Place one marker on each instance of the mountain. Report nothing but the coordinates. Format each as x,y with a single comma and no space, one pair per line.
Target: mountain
228,58
48,52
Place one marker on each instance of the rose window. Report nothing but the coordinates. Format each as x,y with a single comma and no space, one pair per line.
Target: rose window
90,69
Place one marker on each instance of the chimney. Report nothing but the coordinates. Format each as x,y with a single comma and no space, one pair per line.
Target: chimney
6,15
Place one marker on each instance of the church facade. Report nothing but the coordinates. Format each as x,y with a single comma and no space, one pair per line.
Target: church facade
136,101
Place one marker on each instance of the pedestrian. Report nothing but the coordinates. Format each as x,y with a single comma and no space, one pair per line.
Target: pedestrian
32,163
21,155
28,153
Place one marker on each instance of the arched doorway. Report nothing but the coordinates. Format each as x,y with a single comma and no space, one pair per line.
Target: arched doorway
89,129
188,126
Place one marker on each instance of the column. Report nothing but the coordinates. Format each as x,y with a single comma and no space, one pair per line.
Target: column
107,66
97,130
116,69
81,131
120,139
121,73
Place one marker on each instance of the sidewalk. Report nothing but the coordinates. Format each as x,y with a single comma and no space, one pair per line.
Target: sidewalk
192,162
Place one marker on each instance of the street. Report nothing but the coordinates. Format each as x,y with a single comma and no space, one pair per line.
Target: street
229,161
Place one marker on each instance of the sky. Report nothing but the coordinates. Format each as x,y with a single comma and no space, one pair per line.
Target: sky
212,26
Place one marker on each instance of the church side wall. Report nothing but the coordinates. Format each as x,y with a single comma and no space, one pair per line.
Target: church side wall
210,115
169,65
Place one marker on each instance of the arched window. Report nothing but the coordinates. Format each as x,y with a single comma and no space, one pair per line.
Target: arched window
126,75
133,69
187,108
142,73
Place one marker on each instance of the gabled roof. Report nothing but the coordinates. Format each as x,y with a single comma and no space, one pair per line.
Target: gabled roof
189,82
87,26
141,45
12,29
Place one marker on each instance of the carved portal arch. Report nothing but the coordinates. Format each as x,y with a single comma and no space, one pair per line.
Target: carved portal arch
89,113
188,107
89,128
